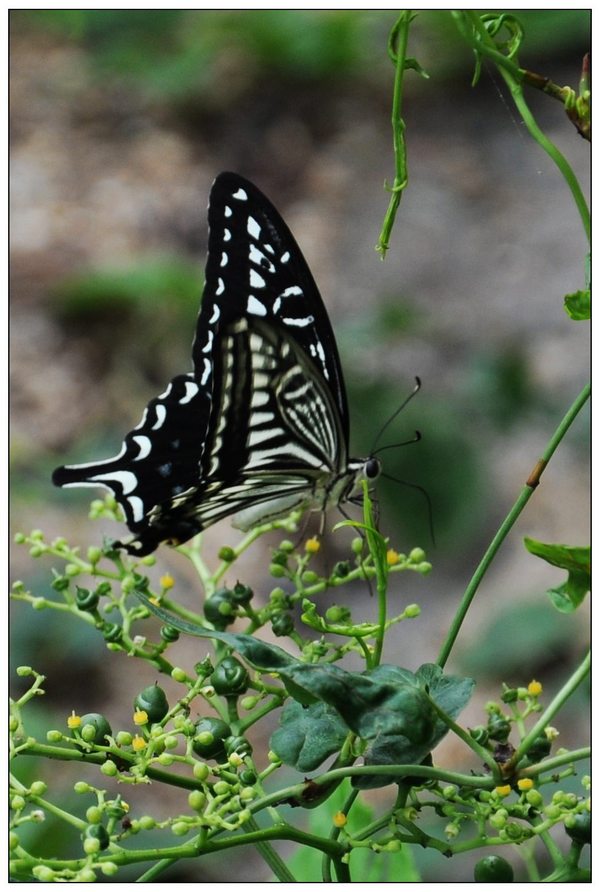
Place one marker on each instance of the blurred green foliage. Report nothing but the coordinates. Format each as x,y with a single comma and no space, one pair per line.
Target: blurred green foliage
177,54
148,286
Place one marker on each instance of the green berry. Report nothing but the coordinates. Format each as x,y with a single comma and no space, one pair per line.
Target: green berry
230,677
153,701
579,827
98,832
94,728
493,869
210,736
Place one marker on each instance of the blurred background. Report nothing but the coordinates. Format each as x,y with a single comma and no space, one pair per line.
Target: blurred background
120,120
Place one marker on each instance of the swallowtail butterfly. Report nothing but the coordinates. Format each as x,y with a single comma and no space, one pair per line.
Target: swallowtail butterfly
260,426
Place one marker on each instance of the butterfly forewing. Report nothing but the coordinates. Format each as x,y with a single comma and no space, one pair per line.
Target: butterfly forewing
261,425
255,268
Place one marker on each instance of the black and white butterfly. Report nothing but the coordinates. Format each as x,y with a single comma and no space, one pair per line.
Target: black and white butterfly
260,426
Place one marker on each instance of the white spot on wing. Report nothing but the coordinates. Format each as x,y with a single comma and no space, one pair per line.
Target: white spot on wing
145,445
206,349
127,479
292,290
300,323
105,461
259,398
215,313
261,417
228,211
241,195
285,257
257,437
137,507
224,259
165,393
226,235
191,389
253,228
256,281
220,287
161,414
206,372
255,307
277,305
259,258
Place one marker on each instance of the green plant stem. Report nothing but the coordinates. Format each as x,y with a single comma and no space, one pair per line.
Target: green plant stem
563,695
270,856
155,870
509,522
326,863
400,33
482,42
484,754
555,762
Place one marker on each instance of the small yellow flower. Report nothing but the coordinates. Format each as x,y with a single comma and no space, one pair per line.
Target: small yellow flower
503,791
140,717
535,688
138,743
74,721
392,557
339,819
167,581
312,545
524,784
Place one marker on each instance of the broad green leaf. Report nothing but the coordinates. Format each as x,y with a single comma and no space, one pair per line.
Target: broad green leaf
368,707
578,305
388,705
307,735
449,692
576,561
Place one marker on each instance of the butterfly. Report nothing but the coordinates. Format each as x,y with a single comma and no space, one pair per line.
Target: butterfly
260,427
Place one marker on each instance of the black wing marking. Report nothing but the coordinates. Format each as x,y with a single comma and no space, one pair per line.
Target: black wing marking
263,417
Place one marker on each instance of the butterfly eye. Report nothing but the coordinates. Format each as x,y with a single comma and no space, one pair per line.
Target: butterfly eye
372,468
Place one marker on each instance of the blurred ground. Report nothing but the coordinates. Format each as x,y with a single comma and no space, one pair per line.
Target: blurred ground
108,178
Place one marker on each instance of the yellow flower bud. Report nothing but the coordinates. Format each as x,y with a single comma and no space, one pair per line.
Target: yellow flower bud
312,545
392,557
524,784
167,581
74,721
140,717
138,743
535,688
503,791
339,819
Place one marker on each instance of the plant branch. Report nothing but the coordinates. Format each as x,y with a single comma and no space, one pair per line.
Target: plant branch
507,524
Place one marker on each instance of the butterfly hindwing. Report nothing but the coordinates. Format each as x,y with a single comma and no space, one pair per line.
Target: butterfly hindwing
261,425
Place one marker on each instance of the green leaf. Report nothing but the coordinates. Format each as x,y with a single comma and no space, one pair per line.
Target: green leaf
261,655
576,561
368,706
307,735
449,692
578,305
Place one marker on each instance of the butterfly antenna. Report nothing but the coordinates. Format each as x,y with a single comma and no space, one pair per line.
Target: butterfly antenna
417,437
402,405
424,493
